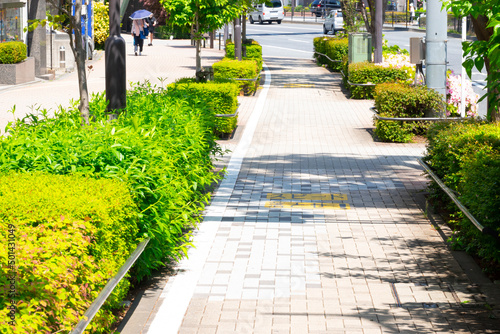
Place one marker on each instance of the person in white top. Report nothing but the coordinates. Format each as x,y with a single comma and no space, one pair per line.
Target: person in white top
412,13
137,28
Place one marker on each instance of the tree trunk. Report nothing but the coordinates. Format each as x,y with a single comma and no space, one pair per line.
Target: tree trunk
80,55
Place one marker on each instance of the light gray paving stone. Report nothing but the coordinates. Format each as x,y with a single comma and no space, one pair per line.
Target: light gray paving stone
322,270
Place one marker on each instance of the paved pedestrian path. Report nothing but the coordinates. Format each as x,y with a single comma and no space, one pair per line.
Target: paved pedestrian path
319,229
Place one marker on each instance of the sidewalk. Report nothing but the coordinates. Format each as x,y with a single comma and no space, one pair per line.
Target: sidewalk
316,229
167,60
319,229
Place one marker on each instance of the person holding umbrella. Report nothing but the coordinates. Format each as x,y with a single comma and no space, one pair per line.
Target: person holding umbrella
138,34
138,31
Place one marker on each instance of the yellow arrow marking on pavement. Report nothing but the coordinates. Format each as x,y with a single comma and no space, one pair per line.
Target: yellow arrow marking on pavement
306,205
294,85
309,197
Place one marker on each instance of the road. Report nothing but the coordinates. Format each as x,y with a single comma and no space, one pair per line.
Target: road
296,41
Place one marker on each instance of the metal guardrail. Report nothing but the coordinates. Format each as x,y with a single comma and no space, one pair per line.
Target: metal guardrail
110,286
228,115
484,229
409,119
245,79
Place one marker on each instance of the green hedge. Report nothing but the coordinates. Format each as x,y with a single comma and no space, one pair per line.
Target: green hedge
334,47
365,72
161,147
230,68
253,51
12,52
403,100
217,97
466,156
71,235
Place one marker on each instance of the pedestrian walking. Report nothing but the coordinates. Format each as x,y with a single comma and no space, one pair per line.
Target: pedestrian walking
151,21
412,13
138,34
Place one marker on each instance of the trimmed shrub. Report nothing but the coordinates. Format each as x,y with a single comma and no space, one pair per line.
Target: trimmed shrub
217,97
252,48
334,47
403,100
230,69
161,147
12,52
71,235
466,156
365,72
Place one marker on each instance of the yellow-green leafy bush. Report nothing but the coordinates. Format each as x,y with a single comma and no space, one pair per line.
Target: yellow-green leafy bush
218,97
402,100
101,24
231,69
365,72
12,52
466,156
251,50
71,234
335,48
161,146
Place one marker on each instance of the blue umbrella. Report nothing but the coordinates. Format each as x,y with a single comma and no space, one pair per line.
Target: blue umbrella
140,14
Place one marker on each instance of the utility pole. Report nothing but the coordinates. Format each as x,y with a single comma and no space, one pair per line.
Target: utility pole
378,31
237,38
436,48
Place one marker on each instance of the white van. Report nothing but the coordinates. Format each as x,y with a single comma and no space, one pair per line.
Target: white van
263,13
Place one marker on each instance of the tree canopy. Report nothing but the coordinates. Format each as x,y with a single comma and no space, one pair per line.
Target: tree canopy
485,52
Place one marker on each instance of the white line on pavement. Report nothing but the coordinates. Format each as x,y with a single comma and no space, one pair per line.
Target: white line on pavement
299,40
278,47
180,289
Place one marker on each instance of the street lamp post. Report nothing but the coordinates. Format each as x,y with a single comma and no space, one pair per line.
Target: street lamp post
116,81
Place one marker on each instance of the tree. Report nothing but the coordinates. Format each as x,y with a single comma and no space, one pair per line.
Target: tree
370,20
65,20
485,52
202,16
351,20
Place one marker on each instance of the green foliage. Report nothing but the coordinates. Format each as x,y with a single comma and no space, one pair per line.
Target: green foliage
71,235
231,69
252,49
12,52
403,100
161,147
485,49
334,47
164,32
101,24
216,97
466,157
207,14
365,72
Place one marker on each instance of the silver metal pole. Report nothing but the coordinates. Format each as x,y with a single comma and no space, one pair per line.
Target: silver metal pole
436,55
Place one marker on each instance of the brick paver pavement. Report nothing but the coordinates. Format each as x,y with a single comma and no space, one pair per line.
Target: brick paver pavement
318,229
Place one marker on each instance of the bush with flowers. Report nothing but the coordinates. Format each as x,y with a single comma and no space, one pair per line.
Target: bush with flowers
454,96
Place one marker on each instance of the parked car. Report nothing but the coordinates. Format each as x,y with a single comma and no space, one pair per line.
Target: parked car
264,13
334,22
323,7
